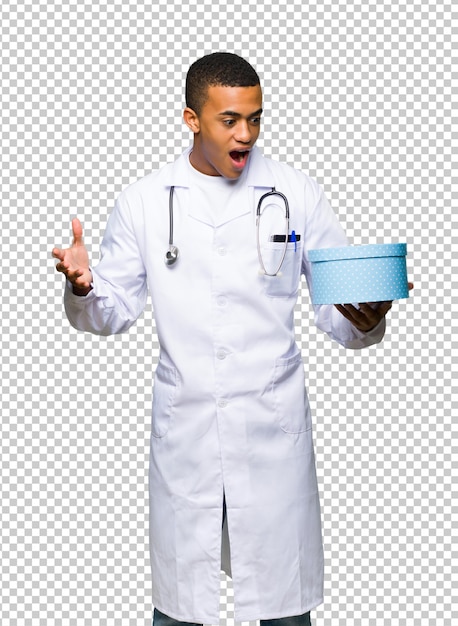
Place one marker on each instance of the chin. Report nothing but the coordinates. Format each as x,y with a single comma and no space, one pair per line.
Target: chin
232,174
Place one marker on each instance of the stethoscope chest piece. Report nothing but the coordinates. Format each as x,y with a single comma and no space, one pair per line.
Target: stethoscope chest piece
171,256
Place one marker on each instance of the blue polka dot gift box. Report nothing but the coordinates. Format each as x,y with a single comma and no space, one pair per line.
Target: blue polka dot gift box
353,274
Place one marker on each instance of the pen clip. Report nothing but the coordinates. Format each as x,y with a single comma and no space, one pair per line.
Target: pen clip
293,238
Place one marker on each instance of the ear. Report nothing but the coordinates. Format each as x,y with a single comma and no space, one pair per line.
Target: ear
191,119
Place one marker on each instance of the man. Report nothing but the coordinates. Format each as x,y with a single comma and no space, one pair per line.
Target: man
232,472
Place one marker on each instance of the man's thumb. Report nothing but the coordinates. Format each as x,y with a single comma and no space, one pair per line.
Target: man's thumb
77,231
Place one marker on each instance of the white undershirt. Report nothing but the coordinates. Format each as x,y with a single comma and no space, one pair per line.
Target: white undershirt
215,194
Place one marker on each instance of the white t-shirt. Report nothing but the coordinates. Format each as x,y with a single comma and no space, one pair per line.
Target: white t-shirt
215,194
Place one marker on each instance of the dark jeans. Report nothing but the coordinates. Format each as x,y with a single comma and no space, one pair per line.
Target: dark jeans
300,620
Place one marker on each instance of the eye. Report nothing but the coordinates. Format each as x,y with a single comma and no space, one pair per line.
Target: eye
256,120
229,122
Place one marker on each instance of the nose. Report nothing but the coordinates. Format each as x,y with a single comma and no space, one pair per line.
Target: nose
243,132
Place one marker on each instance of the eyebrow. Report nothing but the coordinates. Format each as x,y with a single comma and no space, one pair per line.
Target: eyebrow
234,114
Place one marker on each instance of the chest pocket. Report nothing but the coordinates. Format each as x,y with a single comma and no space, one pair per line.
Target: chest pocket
286,283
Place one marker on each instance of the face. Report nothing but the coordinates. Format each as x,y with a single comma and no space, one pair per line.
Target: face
226,130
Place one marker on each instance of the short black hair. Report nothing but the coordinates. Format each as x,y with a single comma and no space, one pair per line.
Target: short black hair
220,68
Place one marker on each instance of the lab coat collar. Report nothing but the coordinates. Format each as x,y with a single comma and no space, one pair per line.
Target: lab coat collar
177,174
258,174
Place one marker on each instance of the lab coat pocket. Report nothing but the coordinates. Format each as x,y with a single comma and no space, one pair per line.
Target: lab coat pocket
286,282
290,396
166,383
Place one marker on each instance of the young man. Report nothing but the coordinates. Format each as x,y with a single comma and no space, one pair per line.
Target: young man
231,436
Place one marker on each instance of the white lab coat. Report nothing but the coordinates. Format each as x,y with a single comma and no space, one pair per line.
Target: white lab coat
230,409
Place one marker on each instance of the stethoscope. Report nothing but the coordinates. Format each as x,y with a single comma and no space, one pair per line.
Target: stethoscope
172,254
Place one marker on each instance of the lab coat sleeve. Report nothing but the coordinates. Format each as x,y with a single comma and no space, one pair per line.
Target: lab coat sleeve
323,230
119,290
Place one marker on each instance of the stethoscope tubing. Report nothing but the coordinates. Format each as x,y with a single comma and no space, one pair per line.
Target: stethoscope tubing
273,192
172,254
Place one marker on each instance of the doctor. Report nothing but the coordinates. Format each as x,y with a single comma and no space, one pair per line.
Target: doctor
232,470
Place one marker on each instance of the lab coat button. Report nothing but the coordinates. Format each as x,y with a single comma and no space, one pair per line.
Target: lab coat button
222,403
221,301
221,354
221,250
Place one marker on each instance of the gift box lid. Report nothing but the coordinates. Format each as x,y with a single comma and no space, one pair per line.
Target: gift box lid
358,252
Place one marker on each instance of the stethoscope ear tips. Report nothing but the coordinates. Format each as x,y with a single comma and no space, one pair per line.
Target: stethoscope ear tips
171,255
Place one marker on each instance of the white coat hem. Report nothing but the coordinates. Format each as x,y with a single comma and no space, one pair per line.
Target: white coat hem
240,617
250,617
195,619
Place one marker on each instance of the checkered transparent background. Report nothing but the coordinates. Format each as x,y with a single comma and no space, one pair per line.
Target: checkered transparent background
361,96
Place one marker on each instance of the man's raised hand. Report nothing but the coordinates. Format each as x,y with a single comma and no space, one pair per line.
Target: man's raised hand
74,261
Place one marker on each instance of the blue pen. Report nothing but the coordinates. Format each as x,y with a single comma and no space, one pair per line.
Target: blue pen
293,238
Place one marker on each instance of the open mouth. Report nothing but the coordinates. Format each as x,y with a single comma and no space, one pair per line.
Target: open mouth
239,158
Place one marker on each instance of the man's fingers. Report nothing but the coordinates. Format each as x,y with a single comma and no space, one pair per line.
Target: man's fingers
366,316
381,308
384,308
58,253
60,267
71,275
63,267
345,312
